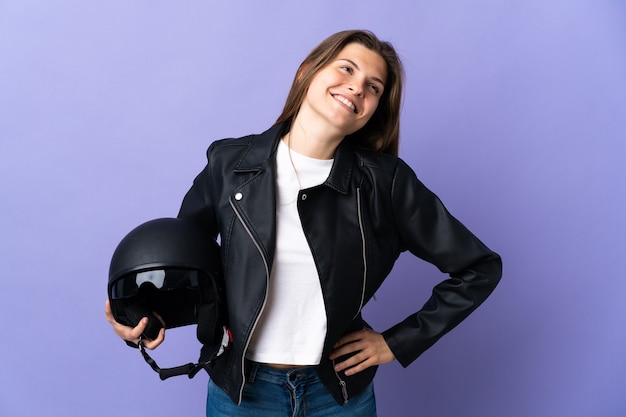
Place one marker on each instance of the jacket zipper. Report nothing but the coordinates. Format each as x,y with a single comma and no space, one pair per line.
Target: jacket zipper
256,321
342,385
363,253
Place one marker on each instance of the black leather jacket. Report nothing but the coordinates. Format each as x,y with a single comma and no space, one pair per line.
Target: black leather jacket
370,209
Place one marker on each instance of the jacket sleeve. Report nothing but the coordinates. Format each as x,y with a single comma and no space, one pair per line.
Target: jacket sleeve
198,206
430,232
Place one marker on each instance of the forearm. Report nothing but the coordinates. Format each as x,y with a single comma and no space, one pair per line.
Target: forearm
450,303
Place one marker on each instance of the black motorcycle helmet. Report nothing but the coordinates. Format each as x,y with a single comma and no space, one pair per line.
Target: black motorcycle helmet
170,267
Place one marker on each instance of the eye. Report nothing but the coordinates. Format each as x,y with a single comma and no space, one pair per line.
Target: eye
375,88
346,68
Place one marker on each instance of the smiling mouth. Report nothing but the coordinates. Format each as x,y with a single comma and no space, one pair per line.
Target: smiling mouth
345,101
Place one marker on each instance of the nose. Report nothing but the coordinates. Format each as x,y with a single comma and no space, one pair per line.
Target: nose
356,88
356,85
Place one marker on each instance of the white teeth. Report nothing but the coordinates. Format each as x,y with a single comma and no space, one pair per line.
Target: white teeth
346,102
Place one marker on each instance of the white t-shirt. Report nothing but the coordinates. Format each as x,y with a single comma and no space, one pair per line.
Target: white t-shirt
292,326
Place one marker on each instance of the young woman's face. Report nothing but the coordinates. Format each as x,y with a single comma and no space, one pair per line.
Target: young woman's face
345,93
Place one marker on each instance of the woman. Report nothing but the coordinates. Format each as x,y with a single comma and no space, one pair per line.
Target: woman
312,215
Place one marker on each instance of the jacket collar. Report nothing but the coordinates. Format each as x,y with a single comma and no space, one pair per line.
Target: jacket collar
341,172
262,149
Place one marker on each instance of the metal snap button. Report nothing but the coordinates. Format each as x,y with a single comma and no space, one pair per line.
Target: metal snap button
238,196
303,197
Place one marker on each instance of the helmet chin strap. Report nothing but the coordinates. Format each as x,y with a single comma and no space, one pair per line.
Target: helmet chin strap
190,369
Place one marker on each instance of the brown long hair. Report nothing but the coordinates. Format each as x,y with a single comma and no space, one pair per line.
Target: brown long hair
382,131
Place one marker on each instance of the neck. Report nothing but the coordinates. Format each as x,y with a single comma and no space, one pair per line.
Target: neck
313,142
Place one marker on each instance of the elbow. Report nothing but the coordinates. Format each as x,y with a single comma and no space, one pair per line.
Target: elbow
493,271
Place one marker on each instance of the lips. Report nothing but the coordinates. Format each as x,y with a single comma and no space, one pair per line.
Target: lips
345,102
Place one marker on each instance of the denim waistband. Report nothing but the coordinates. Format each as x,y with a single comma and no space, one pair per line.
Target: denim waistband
268,373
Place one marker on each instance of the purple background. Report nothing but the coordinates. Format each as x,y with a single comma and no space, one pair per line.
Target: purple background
515,115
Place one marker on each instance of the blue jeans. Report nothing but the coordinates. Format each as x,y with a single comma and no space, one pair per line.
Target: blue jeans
274,392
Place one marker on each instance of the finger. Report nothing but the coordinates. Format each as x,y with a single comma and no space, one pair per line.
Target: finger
370,351
158,316
350,338
351,361
352,342
132,334
359,362
360,367
108,314
135,332
152,344
347,349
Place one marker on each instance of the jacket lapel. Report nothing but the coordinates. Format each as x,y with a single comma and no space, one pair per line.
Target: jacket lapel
255,199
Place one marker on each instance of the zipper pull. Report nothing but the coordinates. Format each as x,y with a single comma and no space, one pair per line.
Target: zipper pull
342,384
344,390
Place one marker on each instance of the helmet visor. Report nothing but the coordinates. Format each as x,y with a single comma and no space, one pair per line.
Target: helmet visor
165,279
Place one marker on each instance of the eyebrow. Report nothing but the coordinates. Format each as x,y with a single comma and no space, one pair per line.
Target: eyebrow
357,67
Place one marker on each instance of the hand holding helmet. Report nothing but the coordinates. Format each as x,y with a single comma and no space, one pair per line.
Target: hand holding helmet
132,334
167,273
